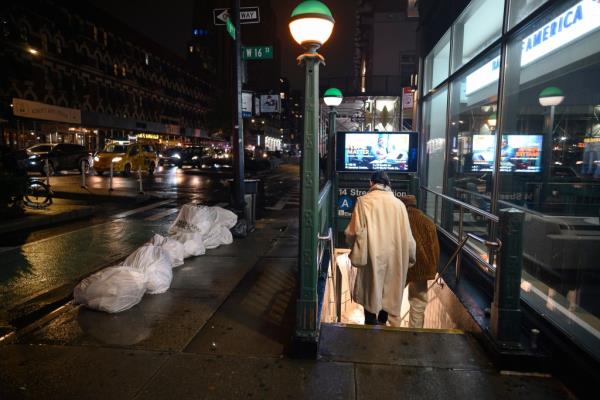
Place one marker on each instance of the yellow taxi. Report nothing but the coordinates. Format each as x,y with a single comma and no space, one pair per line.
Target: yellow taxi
126,158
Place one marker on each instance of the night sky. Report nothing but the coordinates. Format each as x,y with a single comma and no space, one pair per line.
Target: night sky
169,23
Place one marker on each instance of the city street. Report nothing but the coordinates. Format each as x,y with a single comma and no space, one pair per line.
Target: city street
39,261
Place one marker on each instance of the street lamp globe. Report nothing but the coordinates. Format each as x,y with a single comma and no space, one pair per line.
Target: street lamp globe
551,96
333,97
311,23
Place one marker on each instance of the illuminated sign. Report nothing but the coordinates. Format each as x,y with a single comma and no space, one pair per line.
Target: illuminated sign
592,140
153,136
579,20
487,74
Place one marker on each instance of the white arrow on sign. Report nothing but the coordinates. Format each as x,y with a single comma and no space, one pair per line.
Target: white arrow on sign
224,16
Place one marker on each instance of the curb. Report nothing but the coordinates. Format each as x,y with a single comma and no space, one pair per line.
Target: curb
38,221
90,196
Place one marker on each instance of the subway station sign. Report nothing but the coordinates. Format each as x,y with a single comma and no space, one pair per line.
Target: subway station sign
577,21
347,199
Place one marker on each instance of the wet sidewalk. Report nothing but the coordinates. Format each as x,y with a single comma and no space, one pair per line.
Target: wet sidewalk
58,212
224,331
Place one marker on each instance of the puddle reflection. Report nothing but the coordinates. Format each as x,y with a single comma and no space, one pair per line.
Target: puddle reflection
124,329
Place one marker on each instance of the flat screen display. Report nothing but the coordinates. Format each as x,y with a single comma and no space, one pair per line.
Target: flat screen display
377,151
519,153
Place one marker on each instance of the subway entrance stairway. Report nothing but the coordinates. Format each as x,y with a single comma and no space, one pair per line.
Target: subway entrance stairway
225,331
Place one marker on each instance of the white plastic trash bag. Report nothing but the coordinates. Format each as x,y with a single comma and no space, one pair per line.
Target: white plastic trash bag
225,217
112,289
174,249
194,218
193,244
217,236
155,263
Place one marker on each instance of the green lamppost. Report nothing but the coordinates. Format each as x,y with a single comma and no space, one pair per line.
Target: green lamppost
311,25
332,98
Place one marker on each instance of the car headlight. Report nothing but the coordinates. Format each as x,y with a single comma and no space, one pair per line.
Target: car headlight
96,158
117,159
33,157
195,158
177,156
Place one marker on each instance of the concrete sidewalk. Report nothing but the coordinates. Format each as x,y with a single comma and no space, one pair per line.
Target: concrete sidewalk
224,331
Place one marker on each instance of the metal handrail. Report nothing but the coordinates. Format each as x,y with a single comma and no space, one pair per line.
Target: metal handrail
332,265
490,216
491,245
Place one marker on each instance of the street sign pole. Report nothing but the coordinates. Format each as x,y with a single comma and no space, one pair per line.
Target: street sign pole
238,132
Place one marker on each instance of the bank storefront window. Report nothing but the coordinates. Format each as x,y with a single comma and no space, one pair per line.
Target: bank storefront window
437,63
519,9
550,165
434,130
476,28
472,143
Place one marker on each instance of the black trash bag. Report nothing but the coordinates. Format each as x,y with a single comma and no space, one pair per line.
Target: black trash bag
240,230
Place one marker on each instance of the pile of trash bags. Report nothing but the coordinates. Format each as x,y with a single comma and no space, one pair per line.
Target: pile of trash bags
149,269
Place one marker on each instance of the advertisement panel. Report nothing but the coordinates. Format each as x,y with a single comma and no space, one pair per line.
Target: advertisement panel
270,103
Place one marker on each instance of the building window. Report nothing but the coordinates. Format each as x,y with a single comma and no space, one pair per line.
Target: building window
437,63
115,69
23,32
95,33
518,10
551,168
472,138
123,71
147,59
105,37
58,46
476,28
434,130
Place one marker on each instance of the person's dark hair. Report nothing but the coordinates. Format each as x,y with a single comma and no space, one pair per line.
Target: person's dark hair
380,177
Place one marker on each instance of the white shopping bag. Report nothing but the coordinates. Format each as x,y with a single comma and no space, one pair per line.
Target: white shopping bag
155,263
193,243
174,249
112,289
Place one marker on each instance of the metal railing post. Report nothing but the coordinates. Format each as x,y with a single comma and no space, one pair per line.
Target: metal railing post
110,178
505,324
83,185
141,191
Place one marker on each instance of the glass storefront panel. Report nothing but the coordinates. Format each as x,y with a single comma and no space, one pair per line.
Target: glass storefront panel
551,165
476,28
437,63
434,130
472,144
519,9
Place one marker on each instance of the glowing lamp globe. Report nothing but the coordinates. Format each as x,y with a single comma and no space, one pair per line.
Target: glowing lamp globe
551,96
333,97
311,23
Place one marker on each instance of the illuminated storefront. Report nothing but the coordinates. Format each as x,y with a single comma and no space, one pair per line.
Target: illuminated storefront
511,118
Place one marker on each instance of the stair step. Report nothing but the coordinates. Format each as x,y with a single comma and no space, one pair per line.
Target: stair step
401,346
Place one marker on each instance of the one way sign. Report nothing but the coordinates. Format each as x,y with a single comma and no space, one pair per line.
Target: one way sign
248,15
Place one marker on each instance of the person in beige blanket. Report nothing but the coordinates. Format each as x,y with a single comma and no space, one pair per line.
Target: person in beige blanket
391,251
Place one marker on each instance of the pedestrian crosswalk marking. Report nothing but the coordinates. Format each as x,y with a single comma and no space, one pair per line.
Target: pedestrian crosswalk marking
162,214
141,209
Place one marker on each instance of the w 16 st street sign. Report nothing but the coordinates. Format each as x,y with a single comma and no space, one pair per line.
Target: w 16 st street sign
257,53
248,15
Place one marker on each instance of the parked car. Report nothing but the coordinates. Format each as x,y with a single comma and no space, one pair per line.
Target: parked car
61,157
126,158
171,157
